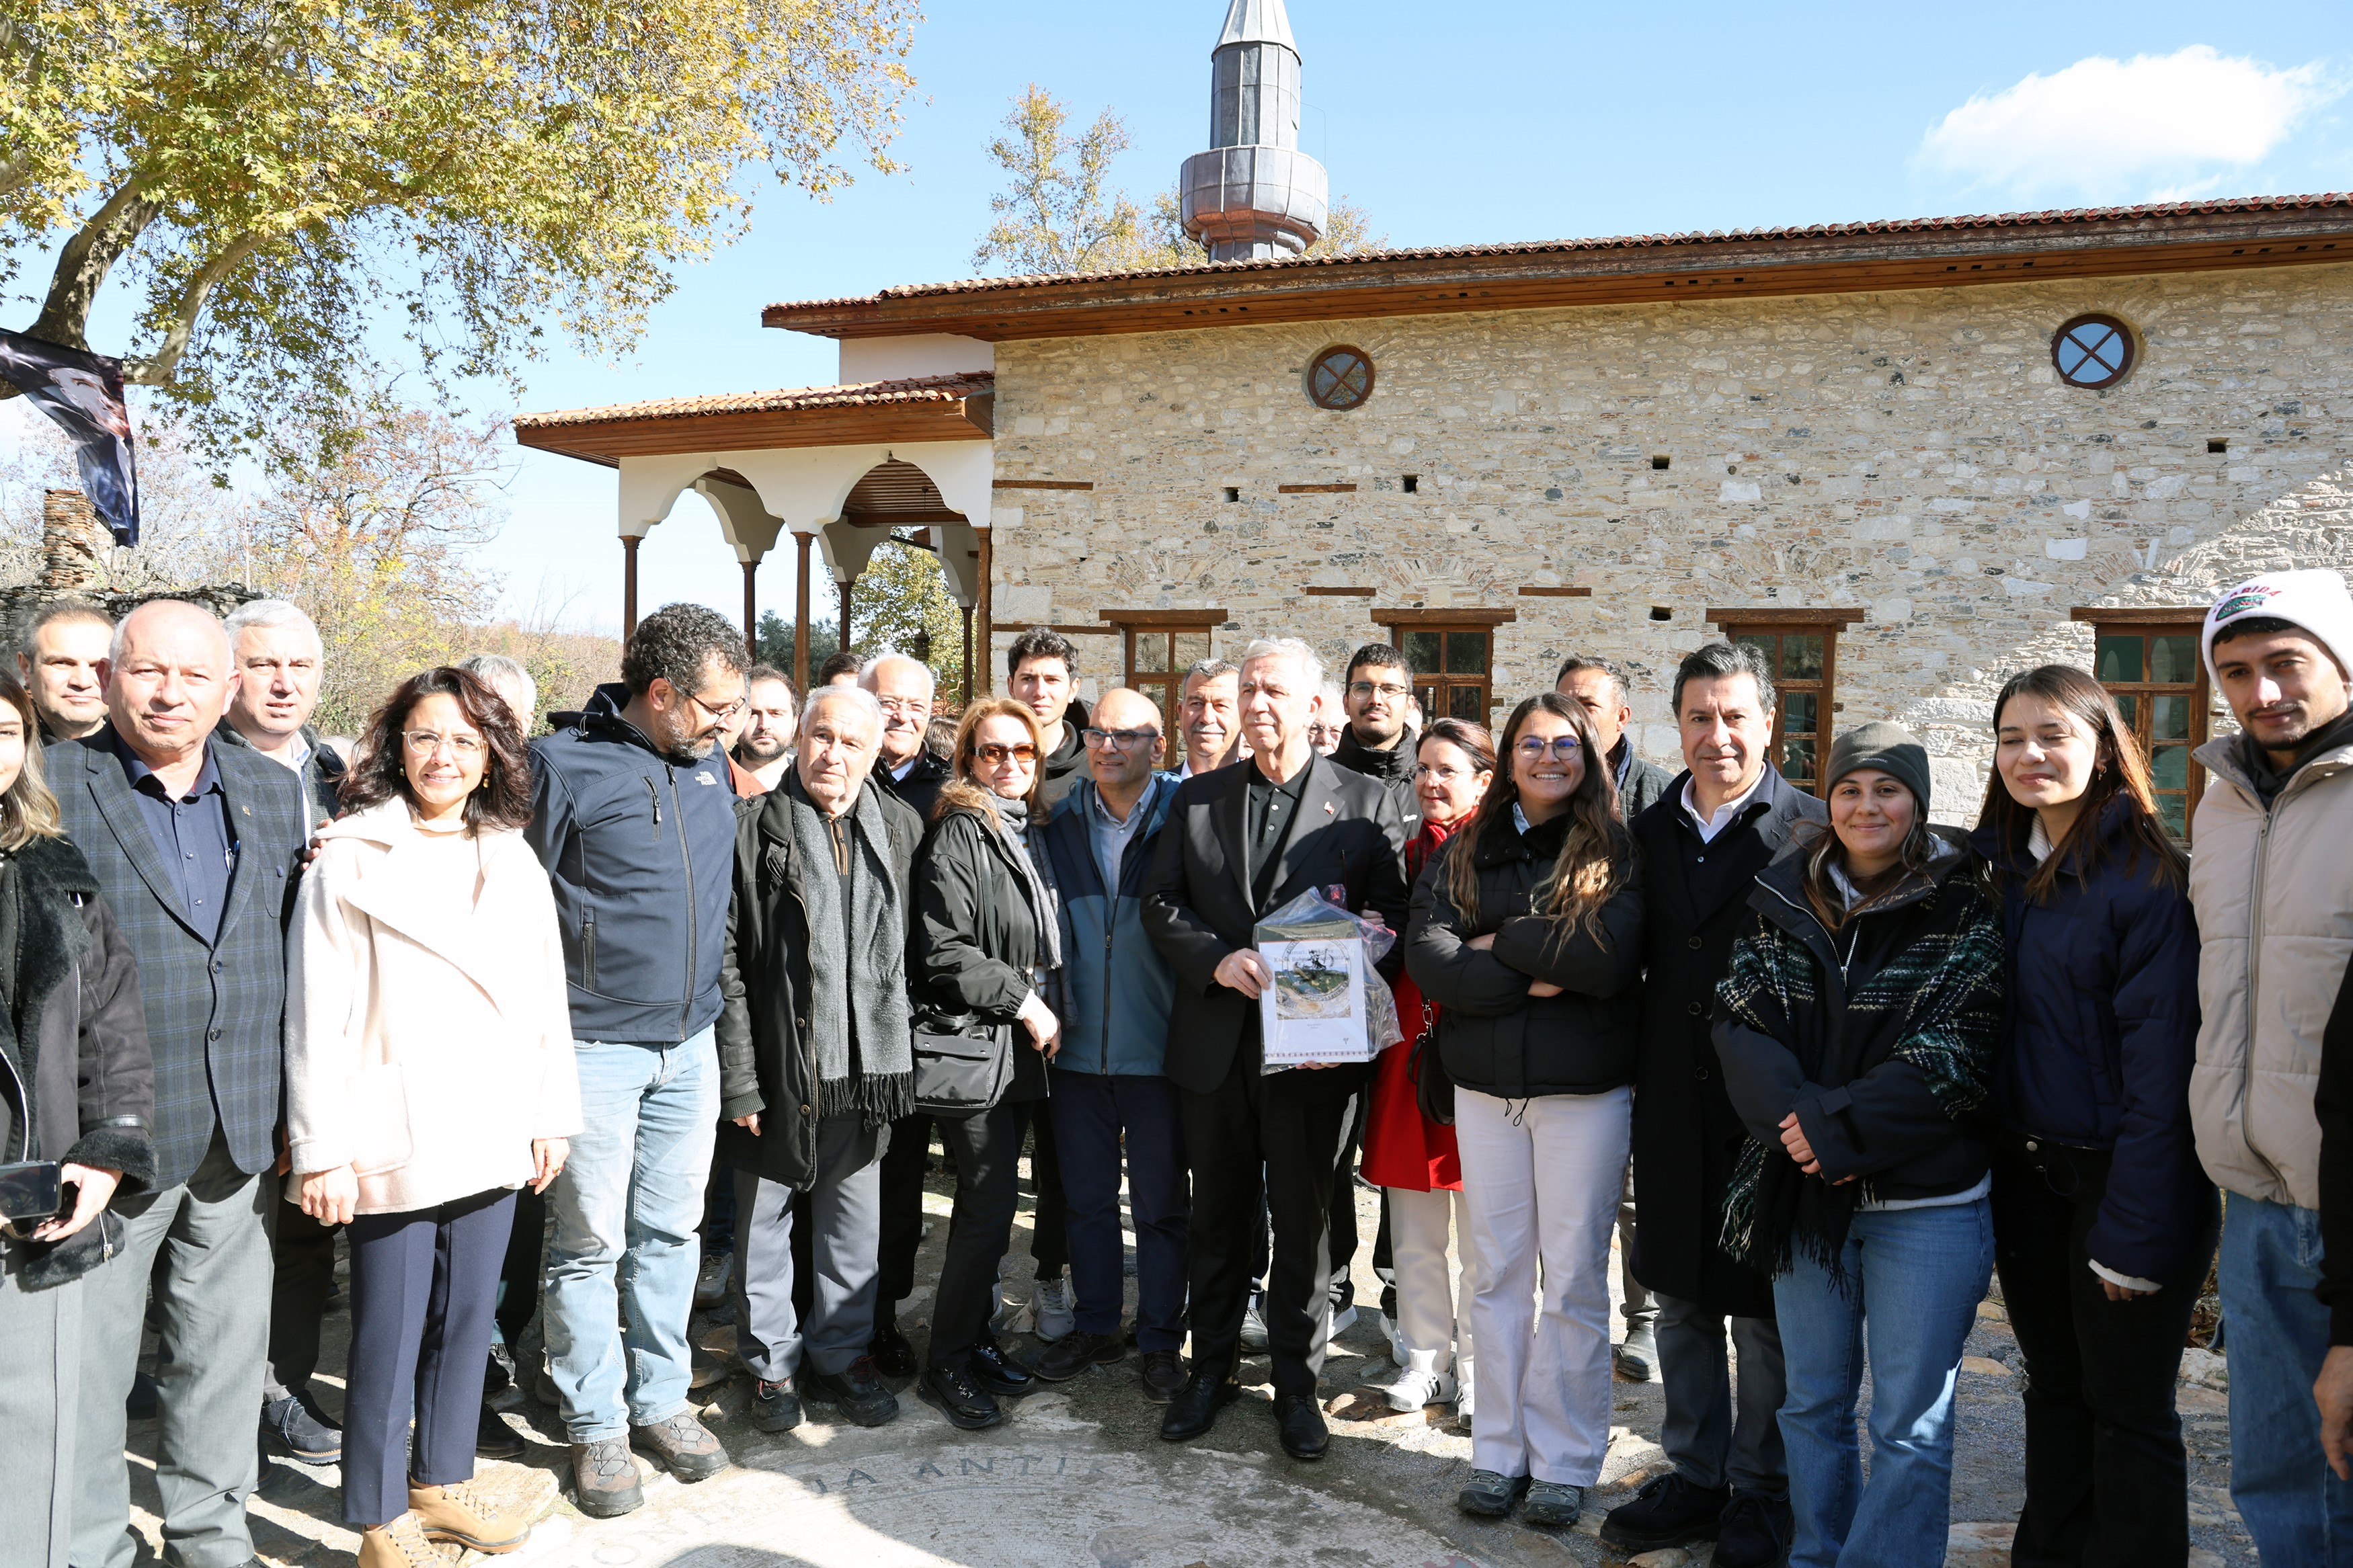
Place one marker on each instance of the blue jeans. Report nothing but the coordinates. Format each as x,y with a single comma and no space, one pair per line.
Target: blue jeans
1914,1279
1096,1116
621,1265
2276,1331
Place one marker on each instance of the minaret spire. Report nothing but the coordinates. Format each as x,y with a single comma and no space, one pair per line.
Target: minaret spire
1254,194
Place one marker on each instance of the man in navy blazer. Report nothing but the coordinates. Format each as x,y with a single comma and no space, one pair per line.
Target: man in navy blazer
195,846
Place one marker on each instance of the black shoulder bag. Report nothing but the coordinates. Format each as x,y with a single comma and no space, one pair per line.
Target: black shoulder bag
1434,1092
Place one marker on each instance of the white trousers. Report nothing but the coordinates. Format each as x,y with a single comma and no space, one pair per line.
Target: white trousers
1433,1334
1542,1177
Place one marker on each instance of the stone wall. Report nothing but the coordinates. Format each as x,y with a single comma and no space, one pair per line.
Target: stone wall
1910,454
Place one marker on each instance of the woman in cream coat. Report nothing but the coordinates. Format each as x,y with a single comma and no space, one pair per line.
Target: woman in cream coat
430,1074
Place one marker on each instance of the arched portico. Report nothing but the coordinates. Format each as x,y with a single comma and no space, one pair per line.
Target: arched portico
793,461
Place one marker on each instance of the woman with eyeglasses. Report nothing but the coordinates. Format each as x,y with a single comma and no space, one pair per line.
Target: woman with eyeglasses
2103,1221
429,1075
1528,936
1410,1157
1856,1032
981,957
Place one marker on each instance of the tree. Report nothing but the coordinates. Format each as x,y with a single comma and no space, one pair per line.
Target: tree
265,175
1059,215
774,638
899,594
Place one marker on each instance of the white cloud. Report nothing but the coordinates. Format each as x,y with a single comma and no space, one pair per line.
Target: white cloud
2114,128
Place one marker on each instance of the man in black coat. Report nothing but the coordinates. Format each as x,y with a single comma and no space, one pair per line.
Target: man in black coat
814,1059
1239,843
195,846
1703,843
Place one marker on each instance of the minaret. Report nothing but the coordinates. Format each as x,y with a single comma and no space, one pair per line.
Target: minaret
1254,194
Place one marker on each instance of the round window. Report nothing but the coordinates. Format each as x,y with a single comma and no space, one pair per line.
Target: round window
1340,378
2093,352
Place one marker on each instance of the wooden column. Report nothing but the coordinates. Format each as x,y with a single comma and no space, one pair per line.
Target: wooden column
842,625
751,611
628,585
800,612
968,651
983,633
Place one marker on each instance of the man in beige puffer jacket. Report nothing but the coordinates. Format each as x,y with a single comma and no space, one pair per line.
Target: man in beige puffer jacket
2272,879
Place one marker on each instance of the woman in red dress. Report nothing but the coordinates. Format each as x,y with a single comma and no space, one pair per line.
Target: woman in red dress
1405,1152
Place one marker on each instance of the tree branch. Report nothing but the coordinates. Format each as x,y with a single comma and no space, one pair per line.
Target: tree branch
155,369
87,257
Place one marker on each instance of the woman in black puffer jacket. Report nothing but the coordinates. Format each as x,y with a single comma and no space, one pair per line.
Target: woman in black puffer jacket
980,951
1527,933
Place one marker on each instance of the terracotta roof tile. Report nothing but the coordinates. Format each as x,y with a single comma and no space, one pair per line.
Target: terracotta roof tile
920,389
2052,217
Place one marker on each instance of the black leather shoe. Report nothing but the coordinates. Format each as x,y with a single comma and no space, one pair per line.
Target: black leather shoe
1671,1510
1164,1376
952,1391
774,1407
494,1440
893,1352
857,1393
1000,1374
1300,1421
1194,1409
1073,1353
1754,1532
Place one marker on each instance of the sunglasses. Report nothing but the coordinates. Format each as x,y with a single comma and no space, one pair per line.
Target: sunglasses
994,753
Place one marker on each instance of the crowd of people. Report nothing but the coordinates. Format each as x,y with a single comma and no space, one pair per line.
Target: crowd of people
666,1009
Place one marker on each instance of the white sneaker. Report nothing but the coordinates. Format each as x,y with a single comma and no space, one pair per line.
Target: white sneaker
1253,1335
1414,1389
1057,1311
1389,1332
1464,1383
1344,1319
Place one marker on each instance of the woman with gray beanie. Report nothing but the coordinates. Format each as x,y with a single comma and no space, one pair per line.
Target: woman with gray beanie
1857,1036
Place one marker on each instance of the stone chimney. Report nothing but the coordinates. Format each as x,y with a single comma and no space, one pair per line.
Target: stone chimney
73,542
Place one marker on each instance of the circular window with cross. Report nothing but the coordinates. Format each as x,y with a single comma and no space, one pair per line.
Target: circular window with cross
2093,352
1340,378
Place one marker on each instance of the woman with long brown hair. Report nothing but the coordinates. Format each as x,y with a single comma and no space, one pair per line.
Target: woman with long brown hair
981,956
1527,933
2103,1221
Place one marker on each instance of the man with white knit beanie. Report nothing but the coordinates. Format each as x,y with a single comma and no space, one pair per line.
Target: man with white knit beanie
2272,884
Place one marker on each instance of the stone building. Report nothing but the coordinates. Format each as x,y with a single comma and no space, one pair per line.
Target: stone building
1911,456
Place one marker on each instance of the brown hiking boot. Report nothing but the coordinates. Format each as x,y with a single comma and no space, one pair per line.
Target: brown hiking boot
681,1445
464,1513
399,1544
604,1479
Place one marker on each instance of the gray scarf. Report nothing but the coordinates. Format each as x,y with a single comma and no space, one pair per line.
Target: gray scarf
865,985
1013,827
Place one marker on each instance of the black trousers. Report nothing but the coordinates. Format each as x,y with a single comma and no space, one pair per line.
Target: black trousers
2107,1480
424,1285
1275,1139
1344,1241
1050,1234
986,1148
302,1255
519,1275
902,1214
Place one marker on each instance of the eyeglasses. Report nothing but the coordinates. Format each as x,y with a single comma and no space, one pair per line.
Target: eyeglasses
1367,689
918,706
1446,775
1533,749
993,754
718,715
425,743
1121,740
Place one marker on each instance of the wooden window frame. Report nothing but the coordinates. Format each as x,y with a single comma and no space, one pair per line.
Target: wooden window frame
1779,621
1165,687
2168,621
1482,621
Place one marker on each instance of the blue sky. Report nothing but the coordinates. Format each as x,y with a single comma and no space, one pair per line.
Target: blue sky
1465,123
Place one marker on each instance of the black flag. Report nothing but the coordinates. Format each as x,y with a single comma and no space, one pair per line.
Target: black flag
83,393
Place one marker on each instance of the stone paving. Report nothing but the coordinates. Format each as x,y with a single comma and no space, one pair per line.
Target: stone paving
1076,1477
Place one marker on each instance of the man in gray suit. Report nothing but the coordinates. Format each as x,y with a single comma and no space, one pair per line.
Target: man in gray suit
195,846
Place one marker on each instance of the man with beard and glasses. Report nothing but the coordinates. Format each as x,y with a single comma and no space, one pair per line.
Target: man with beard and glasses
635,821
